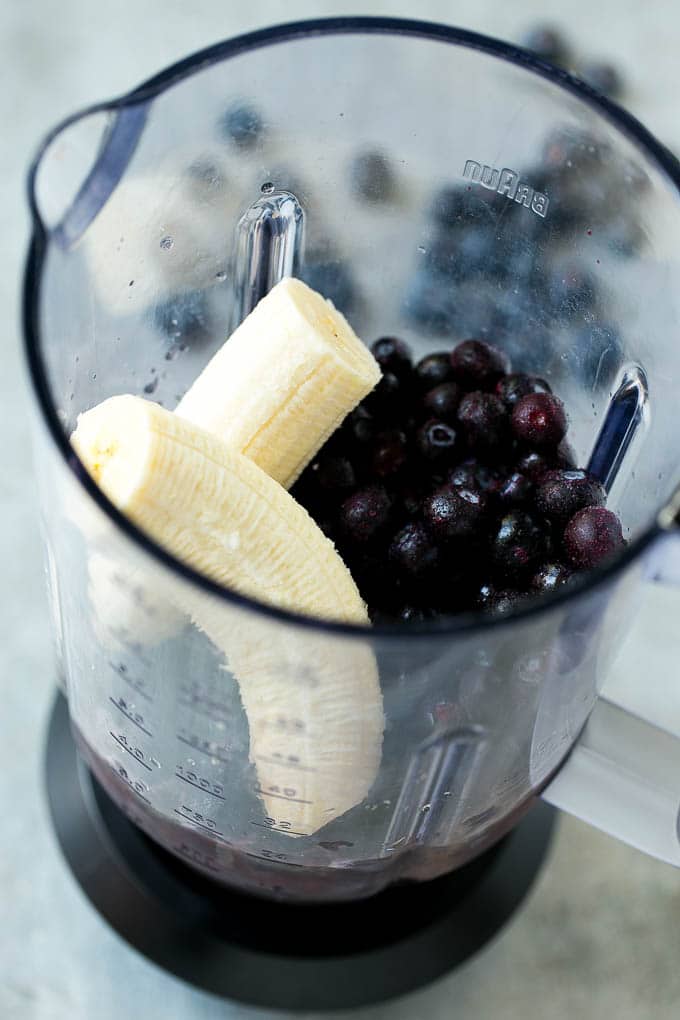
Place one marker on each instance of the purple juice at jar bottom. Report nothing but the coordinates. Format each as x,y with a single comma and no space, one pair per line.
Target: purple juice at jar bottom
247,871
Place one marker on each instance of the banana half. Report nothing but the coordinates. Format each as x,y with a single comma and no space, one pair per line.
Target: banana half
283,381
214,509
275,391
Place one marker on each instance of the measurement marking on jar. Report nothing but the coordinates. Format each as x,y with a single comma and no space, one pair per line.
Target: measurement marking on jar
201,784
271,856
190,816
289,763
135,752
135,683
135,718
204,709
133,784
273,792
136,686
199,702
273,828
204,747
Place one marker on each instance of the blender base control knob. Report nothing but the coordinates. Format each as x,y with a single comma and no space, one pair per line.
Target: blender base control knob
273,954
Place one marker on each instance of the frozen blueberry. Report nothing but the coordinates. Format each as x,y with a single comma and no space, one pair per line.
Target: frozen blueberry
519,543
479,252
474,312
392,355
547,43
456,206
412,551
477,364
512,387
461,255
567,213
335,473
436,441
365,513
517,258
560,494
465,474
591,535
206,176
428,305
503,601
379,617
534,464
475,475
183,316
539,420
448,205
242,125
440,256
490,479
390,453
442,402
571,292
329,526
390,399
565,457
452,513
307,492
550,576
410,500
372,177
515,491
333,279
359,426
415,614
433,370
484,420
603,77
370,572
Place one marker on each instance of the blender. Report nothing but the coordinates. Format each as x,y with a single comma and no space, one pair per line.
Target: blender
435,185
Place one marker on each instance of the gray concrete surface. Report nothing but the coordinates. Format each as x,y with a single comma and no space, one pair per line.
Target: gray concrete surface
600,935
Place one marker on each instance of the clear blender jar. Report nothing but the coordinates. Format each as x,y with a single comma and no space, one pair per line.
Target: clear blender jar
450,186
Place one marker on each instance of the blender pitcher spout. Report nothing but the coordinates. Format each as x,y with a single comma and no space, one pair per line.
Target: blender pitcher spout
80,165
623,774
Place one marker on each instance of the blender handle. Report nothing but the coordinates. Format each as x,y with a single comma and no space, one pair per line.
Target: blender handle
623,774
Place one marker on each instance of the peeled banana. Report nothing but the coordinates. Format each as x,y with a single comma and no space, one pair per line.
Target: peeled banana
283,381
275,391
314,710
312,700
213,508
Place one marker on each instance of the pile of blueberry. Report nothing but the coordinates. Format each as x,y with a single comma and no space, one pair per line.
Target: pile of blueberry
492,269
451,487
550,45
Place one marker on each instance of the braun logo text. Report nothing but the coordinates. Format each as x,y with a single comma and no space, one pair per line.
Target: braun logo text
506,182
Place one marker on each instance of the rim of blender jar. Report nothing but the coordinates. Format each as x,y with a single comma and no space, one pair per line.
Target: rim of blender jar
443,628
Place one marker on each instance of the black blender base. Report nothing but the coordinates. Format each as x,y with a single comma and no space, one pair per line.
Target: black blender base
271,954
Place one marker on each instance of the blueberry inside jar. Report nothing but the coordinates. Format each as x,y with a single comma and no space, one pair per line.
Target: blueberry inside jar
451,488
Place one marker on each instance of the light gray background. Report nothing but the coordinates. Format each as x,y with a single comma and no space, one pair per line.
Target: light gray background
600,935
